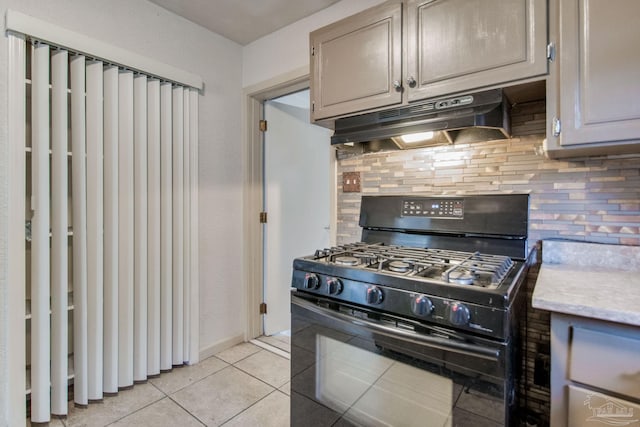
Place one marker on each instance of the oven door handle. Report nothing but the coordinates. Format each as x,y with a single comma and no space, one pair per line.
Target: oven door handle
474,350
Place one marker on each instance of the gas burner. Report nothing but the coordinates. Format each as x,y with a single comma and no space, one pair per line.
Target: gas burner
346,260
365,258
462,277
400,266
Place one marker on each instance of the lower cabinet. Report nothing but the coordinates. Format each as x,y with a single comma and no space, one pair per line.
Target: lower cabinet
595,372
588,407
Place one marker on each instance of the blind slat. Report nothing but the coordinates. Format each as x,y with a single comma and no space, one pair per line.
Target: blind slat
194,307
140,228
178,225
166,249
40,278
187,223
111,207
125,229
79,202
153,227
59,226
95,224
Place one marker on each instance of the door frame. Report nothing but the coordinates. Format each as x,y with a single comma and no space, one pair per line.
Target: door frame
253,98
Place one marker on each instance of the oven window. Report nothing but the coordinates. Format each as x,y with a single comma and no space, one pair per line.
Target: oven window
369,389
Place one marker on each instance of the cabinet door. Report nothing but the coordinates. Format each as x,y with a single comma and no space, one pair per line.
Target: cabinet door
599,79
587,407
356,62
461,45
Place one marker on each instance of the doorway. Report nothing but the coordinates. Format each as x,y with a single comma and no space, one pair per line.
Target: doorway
254,98
297,158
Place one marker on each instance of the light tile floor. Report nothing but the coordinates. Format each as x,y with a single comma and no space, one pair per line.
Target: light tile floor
245,385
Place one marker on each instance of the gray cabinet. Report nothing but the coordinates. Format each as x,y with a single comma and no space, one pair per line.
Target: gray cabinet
356,61
462,45
592,94
404,51
595,372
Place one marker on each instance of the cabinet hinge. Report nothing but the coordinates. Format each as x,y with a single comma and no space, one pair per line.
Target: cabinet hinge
551,51
313,106
313,51
263,217
262,125
263,308
557,126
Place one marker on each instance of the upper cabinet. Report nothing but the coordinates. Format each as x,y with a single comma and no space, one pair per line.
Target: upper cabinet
592,93
461,45
404,51
357,63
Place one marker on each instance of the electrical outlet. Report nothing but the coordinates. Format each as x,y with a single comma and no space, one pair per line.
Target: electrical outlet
351,182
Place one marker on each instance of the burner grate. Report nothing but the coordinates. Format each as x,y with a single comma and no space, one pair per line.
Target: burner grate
455,267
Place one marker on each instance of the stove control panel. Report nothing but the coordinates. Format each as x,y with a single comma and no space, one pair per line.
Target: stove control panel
434,208
417,306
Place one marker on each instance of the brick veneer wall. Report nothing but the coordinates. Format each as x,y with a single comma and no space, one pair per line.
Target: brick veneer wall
590,199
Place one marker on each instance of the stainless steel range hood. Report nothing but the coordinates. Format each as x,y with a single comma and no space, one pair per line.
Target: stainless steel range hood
476,117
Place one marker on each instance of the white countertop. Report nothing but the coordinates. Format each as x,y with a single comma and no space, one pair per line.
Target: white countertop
590,280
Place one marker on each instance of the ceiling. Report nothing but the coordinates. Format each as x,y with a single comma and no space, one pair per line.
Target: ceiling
244,21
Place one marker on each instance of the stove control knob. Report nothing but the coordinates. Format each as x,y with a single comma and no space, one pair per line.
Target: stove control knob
421,305
459,314
311,281
334,286
374,295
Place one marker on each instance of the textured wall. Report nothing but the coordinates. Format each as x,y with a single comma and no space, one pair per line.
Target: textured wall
592,199
287,49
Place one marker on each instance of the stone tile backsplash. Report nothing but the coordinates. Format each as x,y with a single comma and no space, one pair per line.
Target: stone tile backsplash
587,199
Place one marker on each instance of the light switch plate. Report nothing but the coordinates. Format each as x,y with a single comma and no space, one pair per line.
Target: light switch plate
351,182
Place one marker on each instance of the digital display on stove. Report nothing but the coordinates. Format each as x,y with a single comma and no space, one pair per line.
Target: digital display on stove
429,208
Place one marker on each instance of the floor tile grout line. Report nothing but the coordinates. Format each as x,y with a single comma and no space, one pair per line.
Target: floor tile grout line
267,338
259,379
240,360
199,379
187,411
271,348
252,405
137,410
282,345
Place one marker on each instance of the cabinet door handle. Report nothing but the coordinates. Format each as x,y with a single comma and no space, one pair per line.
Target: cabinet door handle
411,81
397,84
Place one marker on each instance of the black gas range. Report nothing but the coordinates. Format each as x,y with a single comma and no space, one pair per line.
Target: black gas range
434,284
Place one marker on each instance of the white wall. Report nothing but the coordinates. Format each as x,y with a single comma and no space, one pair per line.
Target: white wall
142,27
287,49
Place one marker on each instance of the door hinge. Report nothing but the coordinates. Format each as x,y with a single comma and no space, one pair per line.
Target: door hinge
263,308
556,126
263,125
263,217
551,51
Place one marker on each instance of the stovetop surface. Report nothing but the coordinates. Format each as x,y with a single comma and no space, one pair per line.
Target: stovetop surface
477,278
422,264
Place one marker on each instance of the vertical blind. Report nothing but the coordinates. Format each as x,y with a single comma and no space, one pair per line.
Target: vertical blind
110,156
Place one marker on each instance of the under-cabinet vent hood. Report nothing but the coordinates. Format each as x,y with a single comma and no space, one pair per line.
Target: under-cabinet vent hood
475,117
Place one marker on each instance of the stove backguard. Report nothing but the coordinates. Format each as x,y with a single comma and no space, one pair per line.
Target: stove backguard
493,224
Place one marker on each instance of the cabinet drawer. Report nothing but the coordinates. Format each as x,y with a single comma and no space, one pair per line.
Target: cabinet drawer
587,407
606,361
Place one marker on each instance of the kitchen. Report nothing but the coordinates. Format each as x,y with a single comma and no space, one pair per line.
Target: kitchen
564,191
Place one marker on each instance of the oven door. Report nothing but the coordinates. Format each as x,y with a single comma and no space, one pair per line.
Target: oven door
353,366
